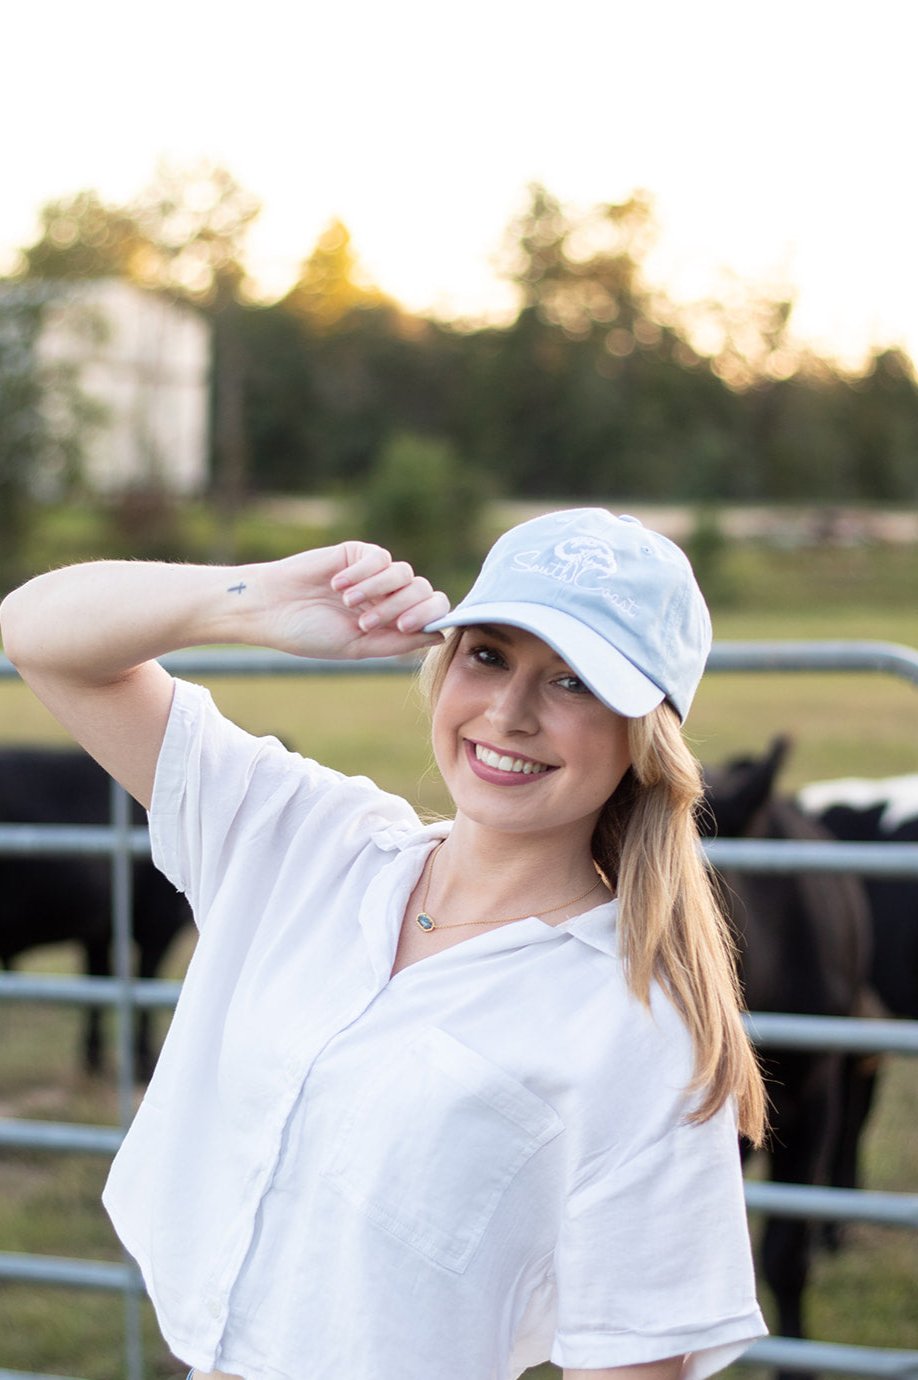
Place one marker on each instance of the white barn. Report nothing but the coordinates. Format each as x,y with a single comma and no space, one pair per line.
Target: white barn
143,363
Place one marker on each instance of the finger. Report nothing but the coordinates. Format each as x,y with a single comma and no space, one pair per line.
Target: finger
363,559
409,610
385,612
382,584
429,609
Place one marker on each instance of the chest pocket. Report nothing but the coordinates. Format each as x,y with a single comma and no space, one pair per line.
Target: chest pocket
432,1144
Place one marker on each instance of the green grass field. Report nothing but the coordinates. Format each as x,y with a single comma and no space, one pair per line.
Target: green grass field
842,725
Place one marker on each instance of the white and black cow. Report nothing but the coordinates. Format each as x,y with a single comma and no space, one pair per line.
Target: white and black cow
68,899
874,811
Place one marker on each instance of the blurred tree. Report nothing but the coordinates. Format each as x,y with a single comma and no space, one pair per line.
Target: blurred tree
43,420
336,368
595,389
20,428
184,235
196,220
601,387
744,333
331,285
82,237
280,404
423,502
880,412
792,444
585,274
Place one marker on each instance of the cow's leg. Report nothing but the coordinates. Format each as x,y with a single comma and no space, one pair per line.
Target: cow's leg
151,956
97,964
805,1123
858,1085
785,1264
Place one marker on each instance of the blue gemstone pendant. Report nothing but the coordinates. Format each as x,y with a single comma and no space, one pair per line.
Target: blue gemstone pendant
425,921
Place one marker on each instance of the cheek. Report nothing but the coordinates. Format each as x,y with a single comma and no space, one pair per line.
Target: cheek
456,704
610,758
443,726
437,737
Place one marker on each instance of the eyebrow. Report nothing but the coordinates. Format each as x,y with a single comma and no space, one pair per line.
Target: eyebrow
490,630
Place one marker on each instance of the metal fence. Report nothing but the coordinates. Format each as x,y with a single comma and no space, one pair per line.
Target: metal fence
122,843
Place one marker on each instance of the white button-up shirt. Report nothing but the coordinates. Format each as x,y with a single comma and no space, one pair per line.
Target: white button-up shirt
444,1175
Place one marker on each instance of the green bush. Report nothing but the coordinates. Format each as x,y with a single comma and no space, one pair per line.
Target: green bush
709,549
425,504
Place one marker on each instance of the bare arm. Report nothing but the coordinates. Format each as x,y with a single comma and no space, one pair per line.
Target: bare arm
649,1370
85,638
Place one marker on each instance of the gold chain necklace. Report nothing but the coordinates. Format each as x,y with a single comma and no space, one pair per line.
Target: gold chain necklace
426,922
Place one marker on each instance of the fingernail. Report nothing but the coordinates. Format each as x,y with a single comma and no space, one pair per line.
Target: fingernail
366,621
351,597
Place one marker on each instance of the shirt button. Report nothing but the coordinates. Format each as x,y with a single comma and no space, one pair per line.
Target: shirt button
213,1306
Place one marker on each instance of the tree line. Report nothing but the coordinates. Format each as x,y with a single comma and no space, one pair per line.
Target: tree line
601,386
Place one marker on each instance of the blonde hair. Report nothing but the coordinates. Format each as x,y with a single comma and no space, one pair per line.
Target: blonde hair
671,928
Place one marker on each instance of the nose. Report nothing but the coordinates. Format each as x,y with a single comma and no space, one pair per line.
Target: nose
513,707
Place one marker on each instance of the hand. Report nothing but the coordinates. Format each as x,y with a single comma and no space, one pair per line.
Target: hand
347,602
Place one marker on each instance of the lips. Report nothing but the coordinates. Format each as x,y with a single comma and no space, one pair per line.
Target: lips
506,763
503,769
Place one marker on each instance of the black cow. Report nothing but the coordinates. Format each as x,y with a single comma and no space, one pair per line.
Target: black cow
803,947
68,899
881,811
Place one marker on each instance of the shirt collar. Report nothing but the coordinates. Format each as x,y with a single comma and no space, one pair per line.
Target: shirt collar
396,837
596,927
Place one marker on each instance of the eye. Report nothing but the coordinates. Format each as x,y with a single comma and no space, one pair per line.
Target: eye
486,656
573,685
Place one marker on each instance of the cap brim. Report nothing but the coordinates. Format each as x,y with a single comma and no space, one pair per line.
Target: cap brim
611,676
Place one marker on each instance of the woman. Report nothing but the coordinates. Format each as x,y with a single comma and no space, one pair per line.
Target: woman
437,1101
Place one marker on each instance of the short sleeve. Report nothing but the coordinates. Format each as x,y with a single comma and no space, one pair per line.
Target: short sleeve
654,1257
219,790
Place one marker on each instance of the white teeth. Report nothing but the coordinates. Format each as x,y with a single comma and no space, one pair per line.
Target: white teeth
502,763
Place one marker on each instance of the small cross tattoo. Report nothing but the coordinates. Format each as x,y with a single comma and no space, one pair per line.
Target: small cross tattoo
236,589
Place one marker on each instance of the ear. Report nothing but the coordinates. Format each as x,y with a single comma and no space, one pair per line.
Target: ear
736,792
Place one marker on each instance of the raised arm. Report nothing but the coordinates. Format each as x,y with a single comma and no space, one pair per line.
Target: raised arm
85,638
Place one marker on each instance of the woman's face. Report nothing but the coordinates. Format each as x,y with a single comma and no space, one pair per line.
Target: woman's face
522,744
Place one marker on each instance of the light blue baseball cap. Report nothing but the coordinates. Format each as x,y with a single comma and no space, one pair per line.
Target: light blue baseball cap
618,602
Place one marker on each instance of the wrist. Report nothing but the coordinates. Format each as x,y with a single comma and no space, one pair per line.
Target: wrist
232,606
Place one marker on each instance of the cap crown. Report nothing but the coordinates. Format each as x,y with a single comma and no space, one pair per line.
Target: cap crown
620,582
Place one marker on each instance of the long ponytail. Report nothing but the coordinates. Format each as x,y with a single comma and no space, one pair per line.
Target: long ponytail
671,928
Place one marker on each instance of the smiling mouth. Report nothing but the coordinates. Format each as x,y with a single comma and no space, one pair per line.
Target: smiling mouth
514,765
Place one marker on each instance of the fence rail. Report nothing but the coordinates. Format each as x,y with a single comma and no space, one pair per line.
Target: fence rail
122,842
749,855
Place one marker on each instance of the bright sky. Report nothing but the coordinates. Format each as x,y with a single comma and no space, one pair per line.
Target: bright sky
777,137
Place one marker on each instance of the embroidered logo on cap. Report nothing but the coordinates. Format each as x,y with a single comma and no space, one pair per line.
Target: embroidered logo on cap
585,562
